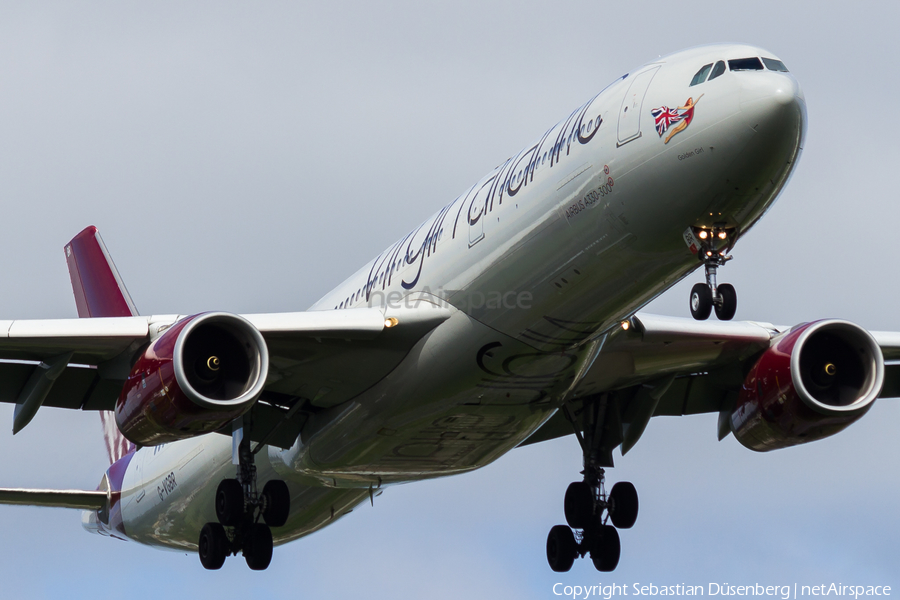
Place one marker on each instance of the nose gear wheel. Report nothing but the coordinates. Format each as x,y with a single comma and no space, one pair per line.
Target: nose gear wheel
710,296
701,301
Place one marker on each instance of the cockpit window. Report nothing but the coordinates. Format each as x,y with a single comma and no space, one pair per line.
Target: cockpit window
717,70
775,65
745,64
700,77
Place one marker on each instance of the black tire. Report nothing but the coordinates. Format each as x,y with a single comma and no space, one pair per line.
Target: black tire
623,510
579,505
726,311
258,546
701,302
278,503
230,502
561,548
607,549
213,546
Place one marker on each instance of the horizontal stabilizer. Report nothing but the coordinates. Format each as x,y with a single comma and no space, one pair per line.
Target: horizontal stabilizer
85,500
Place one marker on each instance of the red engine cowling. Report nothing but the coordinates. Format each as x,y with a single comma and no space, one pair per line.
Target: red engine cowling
815,381
202,373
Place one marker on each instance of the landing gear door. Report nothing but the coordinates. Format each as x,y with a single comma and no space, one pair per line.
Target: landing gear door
630,111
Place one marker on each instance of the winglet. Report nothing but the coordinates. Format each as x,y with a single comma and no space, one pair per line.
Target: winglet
99,291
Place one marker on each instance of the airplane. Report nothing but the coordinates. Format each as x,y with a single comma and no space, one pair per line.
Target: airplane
511,316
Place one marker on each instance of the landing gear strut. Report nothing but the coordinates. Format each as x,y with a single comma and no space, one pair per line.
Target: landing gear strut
239,508
709,296
588,508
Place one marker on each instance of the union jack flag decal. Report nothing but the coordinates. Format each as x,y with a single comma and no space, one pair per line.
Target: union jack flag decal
680,118
665,117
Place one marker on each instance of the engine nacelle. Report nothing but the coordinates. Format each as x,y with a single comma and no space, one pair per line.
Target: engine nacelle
815,381
202,373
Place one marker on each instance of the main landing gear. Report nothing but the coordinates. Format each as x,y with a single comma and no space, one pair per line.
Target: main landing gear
595,515
239,508
585,504
708,296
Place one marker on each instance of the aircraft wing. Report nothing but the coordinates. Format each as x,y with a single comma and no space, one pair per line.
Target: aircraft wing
669,366
82,363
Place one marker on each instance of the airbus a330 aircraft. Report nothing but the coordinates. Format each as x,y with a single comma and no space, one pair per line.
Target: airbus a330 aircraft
507,318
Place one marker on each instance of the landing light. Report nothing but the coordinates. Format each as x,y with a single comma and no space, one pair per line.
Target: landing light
392,321
703,235
722,235
626,325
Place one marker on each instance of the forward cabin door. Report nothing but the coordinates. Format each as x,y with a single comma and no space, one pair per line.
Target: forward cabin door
632,105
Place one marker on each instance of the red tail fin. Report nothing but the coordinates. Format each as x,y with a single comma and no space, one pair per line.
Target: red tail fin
99,292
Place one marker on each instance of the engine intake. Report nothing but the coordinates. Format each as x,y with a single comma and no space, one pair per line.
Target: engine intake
815,381
202,373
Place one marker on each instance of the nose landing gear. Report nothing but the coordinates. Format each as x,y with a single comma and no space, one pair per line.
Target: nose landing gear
708,296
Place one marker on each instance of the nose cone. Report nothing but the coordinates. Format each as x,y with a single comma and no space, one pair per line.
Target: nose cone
773,105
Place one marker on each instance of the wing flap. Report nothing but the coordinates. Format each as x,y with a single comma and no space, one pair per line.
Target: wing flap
77,387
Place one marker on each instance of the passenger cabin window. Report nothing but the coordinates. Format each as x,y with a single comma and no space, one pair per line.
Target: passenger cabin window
717,70
700,77
745,64
775,65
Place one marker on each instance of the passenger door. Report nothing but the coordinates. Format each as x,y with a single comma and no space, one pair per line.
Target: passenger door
630,112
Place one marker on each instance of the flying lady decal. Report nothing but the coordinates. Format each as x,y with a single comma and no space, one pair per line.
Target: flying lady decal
680,118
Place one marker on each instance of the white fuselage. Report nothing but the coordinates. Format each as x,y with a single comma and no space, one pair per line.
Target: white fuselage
541,257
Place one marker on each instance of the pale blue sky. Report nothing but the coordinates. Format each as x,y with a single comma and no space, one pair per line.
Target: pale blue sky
249,157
